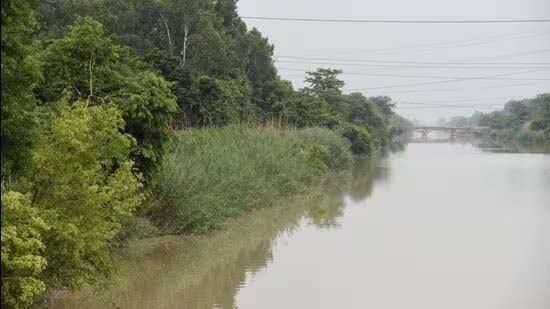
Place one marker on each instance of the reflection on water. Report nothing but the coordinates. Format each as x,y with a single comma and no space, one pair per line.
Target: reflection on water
430,226
207,271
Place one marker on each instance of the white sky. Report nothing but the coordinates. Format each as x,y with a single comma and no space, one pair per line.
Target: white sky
508,43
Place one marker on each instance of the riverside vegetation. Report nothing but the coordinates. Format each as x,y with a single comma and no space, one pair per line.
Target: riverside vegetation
524,122
131,118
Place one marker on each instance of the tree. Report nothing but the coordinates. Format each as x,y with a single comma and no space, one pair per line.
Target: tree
518,109
259,68
304,109
325,81
83,184
20,74
222,102
87,65
384,103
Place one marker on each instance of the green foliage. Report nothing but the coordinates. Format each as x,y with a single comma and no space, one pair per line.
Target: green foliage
384,103
87,65
339,148
360,139
83,183
325,81
214,174
20,74
318,155
365,112
222,102
22,251
526,121
303,110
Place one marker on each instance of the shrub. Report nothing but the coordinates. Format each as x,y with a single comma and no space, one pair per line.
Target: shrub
360,139
339,148
317,155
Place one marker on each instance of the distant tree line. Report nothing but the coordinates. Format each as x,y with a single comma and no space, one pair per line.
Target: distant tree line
526,121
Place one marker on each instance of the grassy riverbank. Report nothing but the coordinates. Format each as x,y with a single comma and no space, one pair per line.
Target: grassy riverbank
215,174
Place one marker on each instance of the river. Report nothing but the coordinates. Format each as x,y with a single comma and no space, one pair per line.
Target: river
431,226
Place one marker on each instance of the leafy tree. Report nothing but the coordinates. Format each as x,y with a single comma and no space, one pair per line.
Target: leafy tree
83,184
20,74
222,102
518,110
384,103
259,69
364,112
304,109
277,94
87,65
325,84
325,81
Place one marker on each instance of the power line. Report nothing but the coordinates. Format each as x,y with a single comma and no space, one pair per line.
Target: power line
507,98
460,89
415,62
399,21
449,81
446,105
436,77
404,66
423,48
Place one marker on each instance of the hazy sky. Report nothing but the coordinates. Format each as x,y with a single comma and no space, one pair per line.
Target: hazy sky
394,43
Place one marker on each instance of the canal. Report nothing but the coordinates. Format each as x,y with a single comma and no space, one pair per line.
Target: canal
430,226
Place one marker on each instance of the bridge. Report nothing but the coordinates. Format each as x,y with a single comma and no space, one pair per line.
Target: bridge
452,130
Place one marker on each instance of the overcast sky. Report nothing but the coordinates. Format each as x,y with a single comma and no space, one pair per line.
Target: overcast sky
364,42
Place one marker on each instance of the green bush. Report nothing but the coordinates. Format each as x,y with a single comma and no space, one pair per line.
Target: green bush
339,148
317,155
360,139
215,174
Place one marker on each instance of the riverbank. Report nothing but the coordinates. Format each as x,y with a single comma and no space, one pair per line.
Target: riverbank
209,267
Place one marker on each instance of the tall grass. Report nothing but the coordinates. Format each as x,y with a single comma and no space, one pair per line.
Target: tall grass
218,173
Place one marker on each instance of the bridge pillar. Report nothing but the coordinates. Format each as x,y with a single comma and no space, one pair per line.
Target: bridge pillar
424,133
453,133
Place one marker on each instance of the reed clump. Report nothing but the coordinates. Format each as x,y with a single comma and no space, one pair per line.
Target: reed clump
214,174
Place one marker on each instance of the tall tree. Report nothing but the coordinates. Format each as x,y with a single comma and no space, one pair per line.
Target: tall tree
20,74
86,65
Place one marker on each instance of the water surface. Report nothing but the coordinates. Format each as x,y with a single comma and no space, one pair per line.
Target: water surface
433,226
